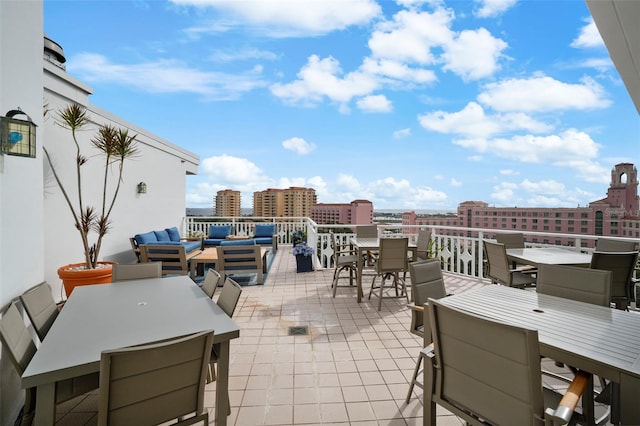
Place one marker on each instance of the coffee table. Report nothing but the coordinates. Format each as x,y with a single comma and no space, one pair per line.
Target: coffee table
208,255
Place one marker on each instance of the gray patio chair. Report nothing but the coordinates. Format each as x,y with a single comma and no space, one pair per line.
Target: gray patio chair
499,271
135,271
584,285
426,282
511,239
572,282
621,265
228,301
392,260
155,383
368,231
210,283
609,245
40,307
17,343
345,259
423,245
487,372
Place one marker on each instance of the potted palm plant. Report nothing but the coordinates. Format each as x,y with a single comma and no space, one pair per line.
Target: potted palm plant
114,145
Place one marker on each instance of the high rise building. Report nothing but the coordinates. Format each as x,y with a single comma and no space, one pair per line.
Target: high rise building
618,214
227,203
298,201
268,203
358,212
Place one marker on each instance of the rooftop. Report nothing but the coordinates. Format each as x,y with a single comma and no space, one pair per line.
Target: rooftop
353,366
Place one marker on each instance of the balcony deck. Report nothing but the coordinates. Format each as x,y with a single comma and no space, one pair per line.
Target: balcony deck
353,367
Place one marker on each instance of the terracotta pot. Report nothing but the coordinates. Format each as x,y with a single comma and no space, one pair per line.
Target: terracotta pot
72,277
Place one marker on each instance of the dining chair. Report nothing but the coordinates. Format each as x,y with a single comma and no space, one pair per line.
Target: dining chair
621,265
345,259
511,239
575,283
368,231
499,271
611,245
155,383
423,245
488,372
41,309
392,260
19,346
210,283
584,285
135,271
426,282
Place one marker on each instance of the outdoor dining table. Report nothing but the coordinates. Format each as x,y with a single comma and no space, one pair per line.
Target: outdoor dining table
116,315
594,338
549,255
364,245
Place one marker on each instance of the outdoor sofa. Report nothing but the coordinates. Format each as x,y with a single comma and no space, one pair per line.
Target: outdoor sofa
164,237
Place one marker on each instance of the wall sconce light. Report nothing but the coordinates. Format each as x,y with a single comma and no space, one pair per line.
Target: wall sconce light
18,137
142,188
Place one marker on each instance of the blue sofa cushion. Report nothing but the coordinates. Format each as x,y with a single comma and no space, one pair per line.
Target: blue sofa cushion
219,231
238,243
164,243
146,238
212,241
264,230
162,235
264,240
174,234
190,246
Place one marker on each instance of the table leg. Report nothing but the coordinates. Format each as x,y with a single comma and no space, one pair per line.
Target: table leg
222,384
193,269
45,405
629,407
359,277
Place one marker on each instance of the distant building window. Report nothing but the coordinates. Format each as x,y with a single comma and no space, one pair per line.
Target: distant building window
545,214
584,215
570,222
545,228
570,229
571,214
558,214
614,232
584,230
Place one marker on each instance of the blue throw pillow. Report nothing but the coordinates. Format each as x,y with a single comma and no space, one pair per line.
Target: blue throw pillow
146,238
174,234
219,231
162,235
264,230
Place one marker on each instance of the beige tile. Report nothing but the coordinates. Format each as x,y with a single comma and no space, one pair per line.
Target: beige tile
359,411
334,412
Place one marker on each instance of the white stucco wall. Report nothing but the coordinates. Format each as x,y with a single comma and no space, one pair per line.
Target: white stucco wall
36,231
21,203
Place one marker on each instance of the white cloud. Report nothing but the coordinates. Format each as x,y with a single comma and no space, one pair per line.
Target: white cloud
289,18
298,145
473,121
348,183
493,8
473,54
232,55
402,133
321,78
165,76
543,93
509,172
377,103
589,36
455,182
230,169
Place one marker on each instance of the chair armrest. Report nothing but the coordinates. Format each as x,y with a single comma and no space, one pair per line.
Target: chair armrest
571,397
416,308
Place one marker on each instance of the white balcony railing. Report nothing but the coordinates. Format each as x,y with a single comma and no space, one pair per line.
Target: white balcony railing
460,249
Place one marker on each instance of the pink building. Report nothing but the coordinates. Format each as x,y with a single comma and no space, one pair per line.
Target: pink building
616,215
358,212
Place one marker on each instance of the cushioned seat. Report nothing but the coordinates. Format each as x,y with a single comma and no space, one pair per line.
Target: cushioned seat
166,237
217,234
265,234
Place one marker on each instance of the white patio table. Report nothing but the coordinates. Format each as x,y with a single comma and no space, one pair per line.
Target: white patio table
550,255
107,316
593,338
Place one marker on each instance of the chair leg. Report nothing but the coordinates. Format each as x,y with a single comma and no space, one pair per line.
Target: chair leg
414,379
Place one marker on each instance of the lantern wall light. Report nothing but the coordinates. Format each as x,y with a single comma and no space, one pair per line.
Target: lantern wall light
142,188
17,137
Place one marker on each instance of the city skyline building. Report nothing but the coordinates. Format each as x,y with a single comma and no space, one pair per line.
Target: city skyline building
227,203
357,212
298,201
617,214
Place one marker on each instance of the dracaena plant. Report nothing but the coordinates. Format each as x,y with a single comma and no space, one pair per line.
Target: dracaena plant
115,146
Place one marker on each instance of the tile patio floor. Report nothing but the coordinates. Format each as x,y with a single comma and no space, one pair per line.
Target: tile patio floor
353,367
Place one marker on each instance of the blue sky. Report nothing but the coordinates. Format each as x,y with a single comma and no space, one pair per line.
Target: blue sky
410,104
